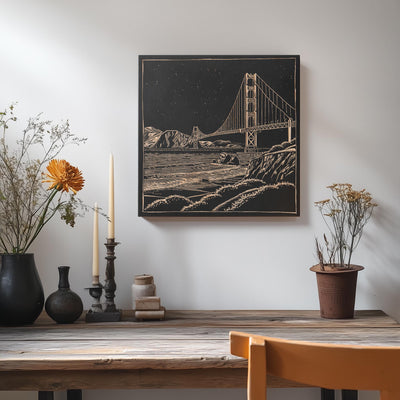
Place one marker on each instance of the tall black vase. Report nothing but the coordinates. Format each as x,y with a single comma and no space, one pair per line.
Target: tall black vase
21,291
64,306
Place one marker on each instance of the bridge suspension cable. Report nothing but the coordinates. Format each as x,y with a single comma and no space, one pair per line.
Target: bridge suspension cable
270,110
235,118
271,106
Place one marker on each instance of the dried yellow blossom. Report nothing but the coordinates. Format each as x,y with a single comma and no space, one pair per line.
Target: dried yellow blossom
333,212
321,202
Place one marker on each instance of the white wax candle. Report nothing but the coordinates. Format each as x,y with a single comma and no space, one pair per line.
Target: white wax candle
111,231
95,264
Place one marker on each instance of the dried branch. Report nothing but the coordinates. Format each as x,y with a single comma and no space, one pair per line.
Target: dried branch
25,206
345,214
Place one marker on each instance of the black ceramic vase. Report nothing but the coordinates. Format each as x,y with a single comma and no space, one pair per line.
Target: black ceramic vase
21,291
64,305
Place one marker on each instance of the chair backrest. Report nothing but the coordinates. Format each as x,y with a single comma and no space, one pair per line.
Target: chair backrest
316,364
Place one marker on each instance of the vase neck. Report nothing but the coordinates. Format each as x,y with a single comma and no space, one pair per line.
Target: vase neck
63,282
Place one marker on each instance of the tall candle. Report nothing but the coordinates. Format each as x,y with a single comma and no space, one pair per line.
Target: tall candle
95,264
111,231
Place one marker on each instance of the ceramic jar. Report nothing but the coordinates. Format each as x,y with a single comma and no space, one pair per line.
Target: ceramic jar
143,286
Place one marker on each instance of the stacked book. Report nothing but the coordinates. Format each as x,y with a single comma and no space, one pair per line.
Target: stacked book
149,307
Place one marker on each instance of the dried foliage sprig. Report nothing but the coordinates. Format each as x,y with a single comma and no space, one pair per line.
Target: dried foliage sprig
25,205
345,214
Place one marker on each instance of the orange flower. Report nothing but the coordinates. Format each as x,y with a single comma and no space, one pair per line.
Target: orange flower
63,176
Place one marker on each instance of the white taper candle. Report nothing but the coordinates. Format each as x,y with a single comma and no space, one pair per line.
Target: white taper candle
111,228
95,259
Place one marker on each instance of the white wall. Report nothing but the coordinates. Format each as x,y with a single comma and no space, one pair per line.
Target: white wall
77,60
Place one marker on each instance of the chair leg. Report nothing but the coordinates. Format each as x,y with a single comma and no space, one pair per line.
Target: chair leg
349,395
327,394
74,394
42,395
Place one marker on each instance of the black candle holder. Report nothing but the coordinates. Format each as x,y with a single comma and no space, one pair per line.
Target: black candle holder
95,291
108,312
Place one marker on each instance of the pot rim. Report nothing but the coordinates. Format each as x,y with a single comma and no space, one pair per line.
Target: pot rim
15,254
353,268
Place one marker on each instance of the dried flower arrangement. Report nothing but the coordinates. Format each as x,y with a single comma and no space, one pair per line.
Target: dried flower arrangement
25,206
345,214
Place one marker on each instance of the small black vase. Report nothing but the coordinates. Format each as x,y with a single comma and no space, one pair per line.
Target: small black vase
21,291
64,305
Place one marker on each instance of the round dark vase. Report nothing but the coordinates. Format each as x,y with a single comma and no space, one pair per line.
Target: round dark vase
64,306
21,291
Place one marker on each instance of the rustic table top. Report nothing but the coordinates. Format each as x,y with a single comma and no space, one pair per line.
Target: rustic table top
186,340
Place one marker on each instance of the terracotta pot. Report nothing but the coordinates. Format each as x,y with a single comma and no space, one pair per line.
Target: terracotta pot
337,290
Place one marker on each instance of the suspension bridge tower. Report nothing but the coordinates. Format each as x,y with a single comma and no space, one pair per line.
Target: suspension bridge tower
250,112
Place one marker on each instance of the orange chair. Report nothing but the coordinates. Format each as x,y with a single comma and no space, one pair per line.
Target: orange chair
320,365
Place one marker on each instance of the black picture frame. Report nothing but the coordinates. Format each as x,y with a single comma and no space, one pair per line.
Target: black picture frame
219,136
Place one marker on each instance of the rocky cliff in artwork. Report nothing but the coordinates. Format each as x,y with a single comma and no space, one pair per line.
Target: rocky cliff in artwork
151,136
277,165
174,139
154,138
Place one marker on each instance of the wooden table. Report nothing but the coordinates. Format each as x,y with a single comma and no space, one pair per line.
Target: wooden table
190,349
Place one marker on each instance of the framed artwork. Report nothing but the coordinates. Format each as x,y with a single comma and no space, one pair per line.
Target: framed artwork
219,135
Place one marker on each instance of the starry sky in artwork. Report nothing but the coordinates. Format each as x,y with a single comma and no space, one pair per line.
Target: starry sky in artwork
179,93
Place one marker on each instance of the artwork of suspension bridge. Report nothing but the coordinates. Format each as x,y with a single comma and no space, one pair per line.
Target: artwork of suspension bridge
218,136
257,108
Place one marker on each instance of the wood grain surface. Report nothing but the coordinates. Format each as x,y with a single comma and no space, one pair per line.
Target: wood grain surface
188,349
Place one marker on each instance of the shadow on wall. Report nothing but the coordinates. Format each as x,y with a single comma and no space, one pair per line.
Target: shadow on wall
169,267
384,278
